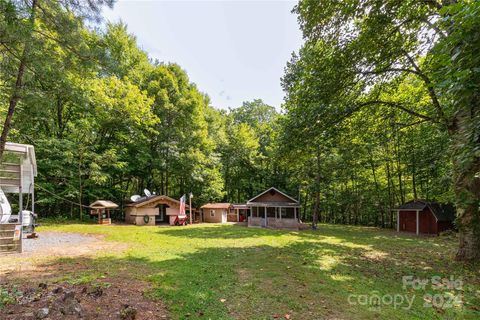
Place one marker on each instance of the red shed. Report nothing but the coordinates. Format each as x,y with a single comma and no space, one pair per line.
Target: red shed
420,216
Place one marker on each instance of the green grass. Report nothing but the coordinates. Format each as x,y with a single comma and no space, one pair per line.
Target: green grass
222,271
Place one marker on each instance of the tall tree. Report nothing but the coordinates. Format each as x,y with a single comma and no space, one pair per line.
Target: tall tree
358,53
25,26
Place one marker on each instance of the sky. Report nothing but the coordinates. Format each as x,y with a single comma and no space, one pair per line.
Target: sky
234,51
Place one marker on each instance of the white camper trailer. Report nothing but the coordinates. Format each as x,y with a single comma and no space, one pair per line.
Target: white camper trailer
18,170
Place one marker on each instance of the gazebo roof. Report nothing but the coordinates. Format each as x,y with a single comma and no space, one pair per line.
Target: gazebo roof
103,204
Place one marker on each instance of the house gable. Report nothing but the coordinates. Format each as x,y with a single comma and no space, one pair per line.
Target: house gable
272,195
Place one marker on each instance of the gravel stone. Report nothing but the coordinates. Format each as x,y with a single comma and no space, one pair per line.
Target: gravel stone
48,240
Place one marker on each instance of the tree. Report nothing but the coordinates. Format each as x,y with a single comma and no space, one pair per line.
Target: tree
357,55
23,38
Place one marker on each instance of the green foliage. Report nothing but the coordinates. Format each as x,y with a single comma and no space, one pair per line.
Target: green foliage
390,65
381,106
107,122
7,296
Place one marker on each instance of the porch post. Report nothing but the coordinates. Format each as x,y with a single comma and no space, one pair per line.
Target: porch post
398,220
280,212
418,223
265,213
238,217
295,213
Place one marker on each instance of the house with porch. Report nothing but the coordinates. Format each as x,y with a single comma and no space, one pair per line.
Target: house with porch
273,209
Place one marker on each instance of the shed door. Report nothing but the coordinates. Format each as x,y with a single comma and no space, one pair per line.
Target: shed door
408,221
224,216
427,222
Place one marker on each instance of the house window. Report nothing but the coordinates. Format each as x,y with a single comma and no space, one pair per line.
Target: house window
212,213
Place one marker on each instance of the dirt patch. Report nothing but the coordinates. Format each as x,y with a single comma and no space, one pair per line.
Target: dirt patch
108,299
32,287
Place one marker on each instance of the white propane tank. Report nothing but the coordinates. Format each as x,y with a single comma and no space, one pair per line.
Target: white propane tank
27,218
5,209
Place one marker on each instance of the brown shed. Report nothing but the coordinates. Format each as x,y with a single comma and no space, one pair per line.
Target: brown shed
216,212
153,210
426,217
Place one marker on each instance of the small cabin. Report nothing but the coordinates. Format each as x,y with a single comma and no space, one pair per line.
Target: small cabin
273,209
153,210
224,212
216,212
101,209
424,217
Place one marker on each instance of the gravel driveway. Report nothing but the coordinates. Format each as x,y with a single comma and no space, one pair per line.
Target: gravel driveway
51,240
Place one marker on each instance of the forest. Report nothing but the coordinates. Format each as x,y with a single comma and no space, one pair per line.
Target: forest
381,106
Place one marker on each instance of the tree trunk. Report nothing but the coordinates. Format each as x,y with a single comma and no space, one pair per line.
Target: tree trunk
16,94
305,201
396,146
414,185
80,186
316,208
467,184
389,184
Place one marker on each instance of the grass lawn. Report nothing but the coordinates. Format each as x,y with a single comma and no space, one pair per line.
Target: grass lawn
213,271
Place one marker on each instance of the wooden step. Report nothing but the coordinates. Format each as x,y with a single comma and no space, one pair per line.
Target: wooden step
8,245
8,226
8,241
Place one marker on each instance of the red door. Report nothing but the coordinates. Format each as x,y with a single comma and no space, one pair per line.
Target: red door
408,221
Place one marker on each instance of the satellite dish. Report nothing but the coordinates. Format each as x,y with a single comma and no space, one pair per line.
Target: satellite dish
135,197
147,192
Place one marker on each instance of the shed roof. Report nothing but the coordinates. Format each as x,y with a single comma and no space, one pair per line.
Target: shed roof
220,205
443,212
240,206
100,204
